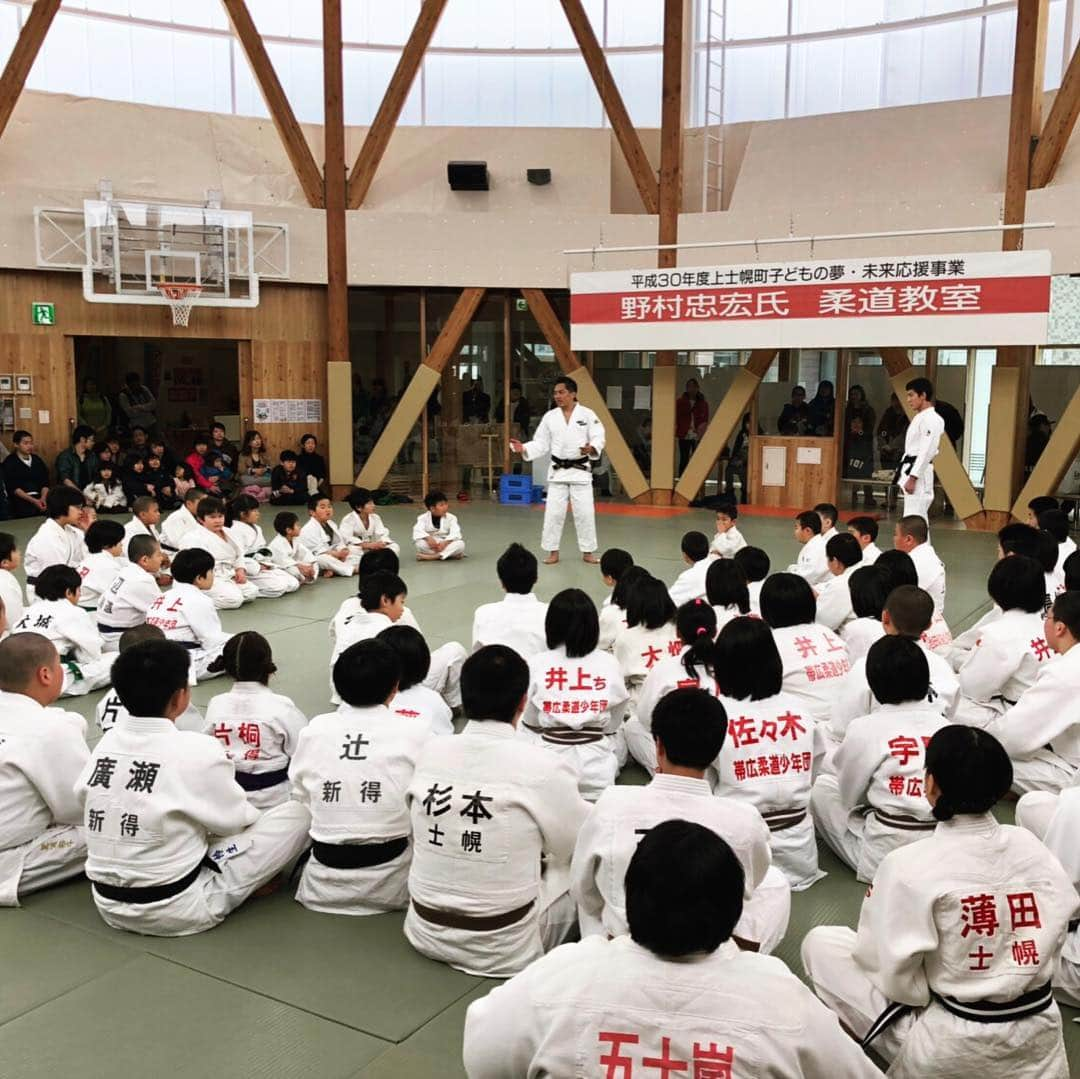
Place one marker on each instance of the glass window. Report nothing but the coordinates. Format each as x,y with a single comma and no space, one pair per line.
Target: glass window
755,18
754,83
631,22
836,75
639,77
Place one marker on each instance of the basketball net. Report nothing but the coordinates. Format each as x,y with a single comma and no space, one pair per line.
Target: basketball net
180,298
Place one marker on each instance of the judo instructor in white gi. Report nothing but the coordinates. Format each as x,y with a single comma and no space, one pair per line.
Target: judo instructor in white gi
574,436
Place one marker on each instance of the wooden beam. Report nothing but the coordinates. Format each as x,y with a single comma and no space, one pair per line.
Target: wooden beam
1025,117
1054,461
22,57
337,265
382,127
1010,385
1059,125
420,388
288,129
619,453
725,420
636,160
508,408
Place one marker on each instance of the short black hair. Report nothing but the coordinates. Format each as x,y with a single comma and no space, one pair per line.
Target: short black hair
566,381
728,508
614,562
1042,503
809,519
911,610
104,534
517,569
314,500
897,670
241,504
366,673
787,600
61,499
914,527
80,432
209,505
287,455
1019,538
695,622
21,654
142,504
827,509
194,494
865,526
358,497
191,564
383,560
649,604
247,657
140,546
754,562
1056,522
148,676
627,585
971,769
1046,551
217,426
376,585
1017,583
494,681
692,724
140,635
844,547
1071,565
412,652
748,663
284,521
1066,609
55,582
572,621
921,386
433,498
866,587
8,545
896,568
684,890
695,545
725,585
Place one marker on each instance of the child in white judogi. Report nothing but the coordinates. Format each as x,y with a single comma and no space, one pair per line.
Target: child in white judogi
1041,732
181,521
811,564
949,971
414,699
728,541
517,620
42,752
10,590
362,528
270,581
678,990
875,802
187,614
102,565
145,519
834,607
258,727
911,536
57,542
437,534
828,515
650,632
165,819
769,748
688,726
231,588
56,614
814,659
494,820
324,540
106,493
1011,649
865,531
1056,522
690,584
133,593
352,768
755,566
288,553
613,610
866,586
576,695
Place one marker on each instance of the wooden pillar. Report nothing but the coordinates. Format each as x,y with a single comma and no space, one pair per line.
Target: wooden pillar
1006,436
424,435
1053,463
23,55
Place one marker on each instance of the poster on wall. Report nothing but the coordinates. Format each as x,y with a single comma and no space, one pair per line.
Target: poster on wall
287,410
986,298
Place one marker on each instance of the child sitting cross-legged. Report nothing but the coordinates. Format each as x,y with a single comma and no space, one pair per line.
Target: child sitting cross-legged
288,553
436,533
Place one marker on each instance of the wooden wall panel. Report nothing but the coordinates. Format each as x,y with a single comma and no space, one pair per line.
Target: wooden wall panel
806,484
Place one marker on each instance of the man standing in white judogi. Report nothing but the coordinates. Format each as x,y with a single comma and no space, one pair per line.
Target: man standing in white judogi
574,436
915,476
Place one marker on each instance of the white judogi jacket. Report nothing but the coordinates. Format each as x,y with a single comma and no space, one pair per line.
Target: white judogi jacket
1060,840
419,702
638,650
12,594
585,694
98,572
486,807
668,674
976,912
859,634
612,623
42,752
105,498
269,579
834,601
71,629
690,584
871,553
352,769
812,565
516,620
931,573
176,526
252,541
51,545
922,440
727,544
129,598
259,730
564,438
815,661
185,613
227,553
754,588
961,646
110,710
727,1013
352,623
313,536
1065,548
354,533
287,554
448,530
134,528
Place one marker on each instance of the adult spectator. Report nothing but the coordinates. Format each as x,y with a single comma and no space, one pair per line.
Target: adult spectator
475,404
221,447
140,445
642,447
255,466
26,477
313,465
795,417
520,413
821,410
138,403
737,462
691,419
95,409
859,420
77,465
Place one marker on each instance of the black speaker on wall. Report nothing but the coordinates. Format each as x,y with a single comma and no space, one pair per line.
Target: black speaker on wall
538,176
467,175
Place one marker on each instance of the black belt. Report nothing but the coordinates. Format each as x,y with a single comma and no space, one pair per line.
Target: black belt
568,736
154,893
31,580
1004,700
102,628
904,823
357,855
450,919
582,463
259,781
779,819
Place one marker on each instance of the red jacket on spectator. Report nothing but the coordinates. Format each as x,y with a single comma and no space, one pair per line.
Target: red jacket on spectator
690,414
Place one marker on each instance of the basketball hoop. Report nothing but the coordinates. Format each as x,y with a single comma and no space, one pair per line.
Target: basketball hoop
180,298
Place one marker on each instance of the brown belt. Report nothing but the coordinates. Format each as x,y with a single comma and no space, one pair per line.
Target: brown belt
453,920
779,819
568,736
903,823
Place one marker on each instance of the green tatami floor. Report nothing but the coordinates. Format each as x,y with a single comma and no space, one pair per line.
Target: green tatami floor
280,991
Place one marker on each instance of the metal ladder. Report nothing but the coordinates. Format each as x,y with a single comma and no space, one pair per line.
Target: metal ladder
712,172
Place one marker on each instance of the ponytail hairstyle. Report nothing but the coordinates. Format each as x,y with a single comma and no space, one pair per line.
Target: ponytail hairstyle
246,658
240,505
971,769
696,625
725,585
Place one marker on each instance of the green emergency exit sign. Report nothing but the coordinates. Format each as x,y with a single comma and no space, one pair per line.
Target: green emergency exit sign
44,314
521,305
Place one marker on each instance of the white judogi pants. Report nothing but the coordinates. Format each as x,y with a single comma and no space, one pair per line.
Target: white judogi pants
1045,771
228,595
54,856
454,549
340,567
273,583
917,505
444,674
94,675
580,498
